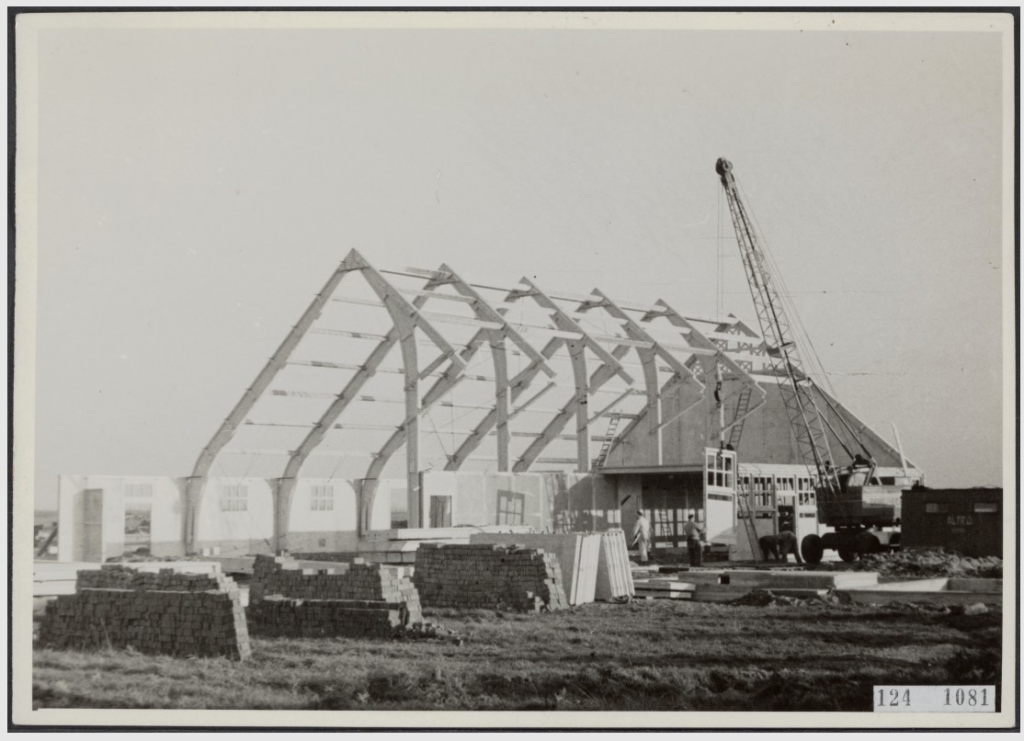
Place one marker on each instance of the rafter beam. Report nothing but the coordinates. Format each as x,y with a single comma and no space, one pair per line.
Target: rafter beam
518,385
197,481
406,319
602,375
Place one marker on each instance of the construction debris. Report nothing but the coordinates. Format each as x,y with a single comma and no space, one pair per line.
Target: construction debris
926,563
161,613
489,577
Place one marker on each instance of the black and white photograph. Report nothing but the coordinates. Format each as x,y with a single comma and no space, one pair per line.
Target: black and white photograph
543,368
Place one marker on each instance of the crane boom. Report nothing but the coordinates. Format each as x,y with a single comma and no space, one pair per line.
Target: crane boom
794,385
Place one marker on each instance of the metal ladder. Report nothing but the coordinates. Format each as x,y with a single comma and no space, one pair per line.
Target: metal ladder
609,438
743,503
742,406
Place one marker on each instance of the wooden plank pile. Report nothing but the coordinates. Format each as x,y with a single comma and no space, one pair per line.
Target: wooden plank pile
614,576
489,577
399,545
160,613
578,557
294,598
52,578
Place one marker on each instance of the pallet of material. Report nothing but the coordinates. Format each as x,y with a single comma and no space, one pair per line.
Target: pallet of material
614,575
577,553
730,593
235,564
60,570
779,579
664,589
52,588
444,533
54,578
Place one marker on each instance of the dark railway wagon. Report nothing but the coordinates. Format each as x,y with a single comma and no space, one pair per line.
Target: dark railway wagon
967,521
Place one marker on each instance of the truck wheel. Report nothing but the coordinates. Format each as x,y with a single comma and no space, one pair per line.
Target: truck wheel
868,543
848,554
811,549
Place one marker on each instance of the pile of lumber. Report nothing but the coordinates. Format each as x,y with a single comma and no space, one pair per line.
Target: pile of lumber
614,576
161,613
52,578
731,584
399,545
488,576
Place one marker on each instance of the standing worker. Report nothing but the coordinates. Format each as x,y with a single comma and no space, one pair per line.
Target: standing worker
787,543
642,535
694,535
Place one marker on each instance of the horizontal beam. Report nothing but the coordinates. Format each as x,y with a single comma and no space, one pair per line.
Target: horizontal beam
382,369
435,294
467,321
358,301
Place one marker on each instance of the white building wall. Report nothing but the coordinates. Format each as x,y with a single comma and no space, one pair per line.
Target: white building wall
241,531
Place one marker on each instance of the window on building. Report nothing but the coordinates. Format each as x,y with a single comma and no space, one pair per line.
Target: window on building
888,481
720,470
986,506
935,508
138,491
234,498
321,498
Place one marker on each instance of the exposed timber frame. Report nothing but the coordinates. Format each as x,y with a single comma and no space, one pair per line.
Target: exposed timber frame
406,319
694,357
494,333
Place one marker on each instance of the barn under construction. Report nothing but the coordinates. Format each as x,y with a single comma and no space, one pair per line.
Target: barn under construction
414,397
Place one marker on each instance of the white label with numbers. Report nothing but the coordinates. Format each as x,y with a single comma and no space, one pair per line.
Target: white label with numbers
934,699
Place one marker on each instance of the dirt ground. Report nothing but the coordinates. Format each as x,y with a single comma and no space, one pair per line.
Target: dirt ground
645,655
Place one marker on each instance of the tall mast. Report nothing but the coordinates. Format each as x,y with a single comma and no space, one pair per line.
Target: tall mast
794,384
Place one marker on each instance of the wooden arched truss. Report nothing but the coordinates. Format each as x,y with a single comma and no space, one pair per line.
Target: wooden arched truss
591,333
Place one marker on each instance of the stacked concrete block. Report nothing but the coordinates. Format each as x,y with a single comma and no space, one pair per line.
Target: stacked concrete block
161,613
577,554
489,576
277,616
290,598
117,576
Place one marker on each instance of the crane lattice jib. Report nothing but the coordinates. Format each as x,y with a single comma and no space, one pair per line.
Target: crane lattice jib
794,385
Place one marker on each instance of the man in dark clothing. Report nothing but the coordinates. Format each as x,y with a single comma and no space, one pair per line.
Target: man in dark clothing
780,546
769,547
694,534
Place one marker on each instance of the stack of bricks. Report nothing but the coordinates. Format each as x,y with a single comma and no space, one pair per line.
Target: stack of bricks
115,576
163,613
488,576
354,600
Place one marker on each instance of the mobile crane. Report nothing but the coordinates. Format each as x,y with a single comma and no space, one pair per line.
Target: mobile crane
845,500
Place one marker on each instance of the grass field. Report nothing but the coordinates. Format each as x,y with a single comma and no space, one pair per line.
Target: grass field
646,655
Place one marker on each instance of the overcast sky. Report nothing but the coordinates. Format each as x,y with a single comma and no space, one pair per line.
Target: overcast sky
197,187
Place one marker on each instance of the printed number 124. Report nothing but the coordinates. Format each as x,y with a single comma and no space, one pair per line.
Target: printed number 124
894,699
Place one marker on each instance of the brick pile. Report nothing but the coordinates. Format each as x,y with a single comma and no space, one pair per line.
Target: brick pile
163,613
355,600
277,616
489,576
116,576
